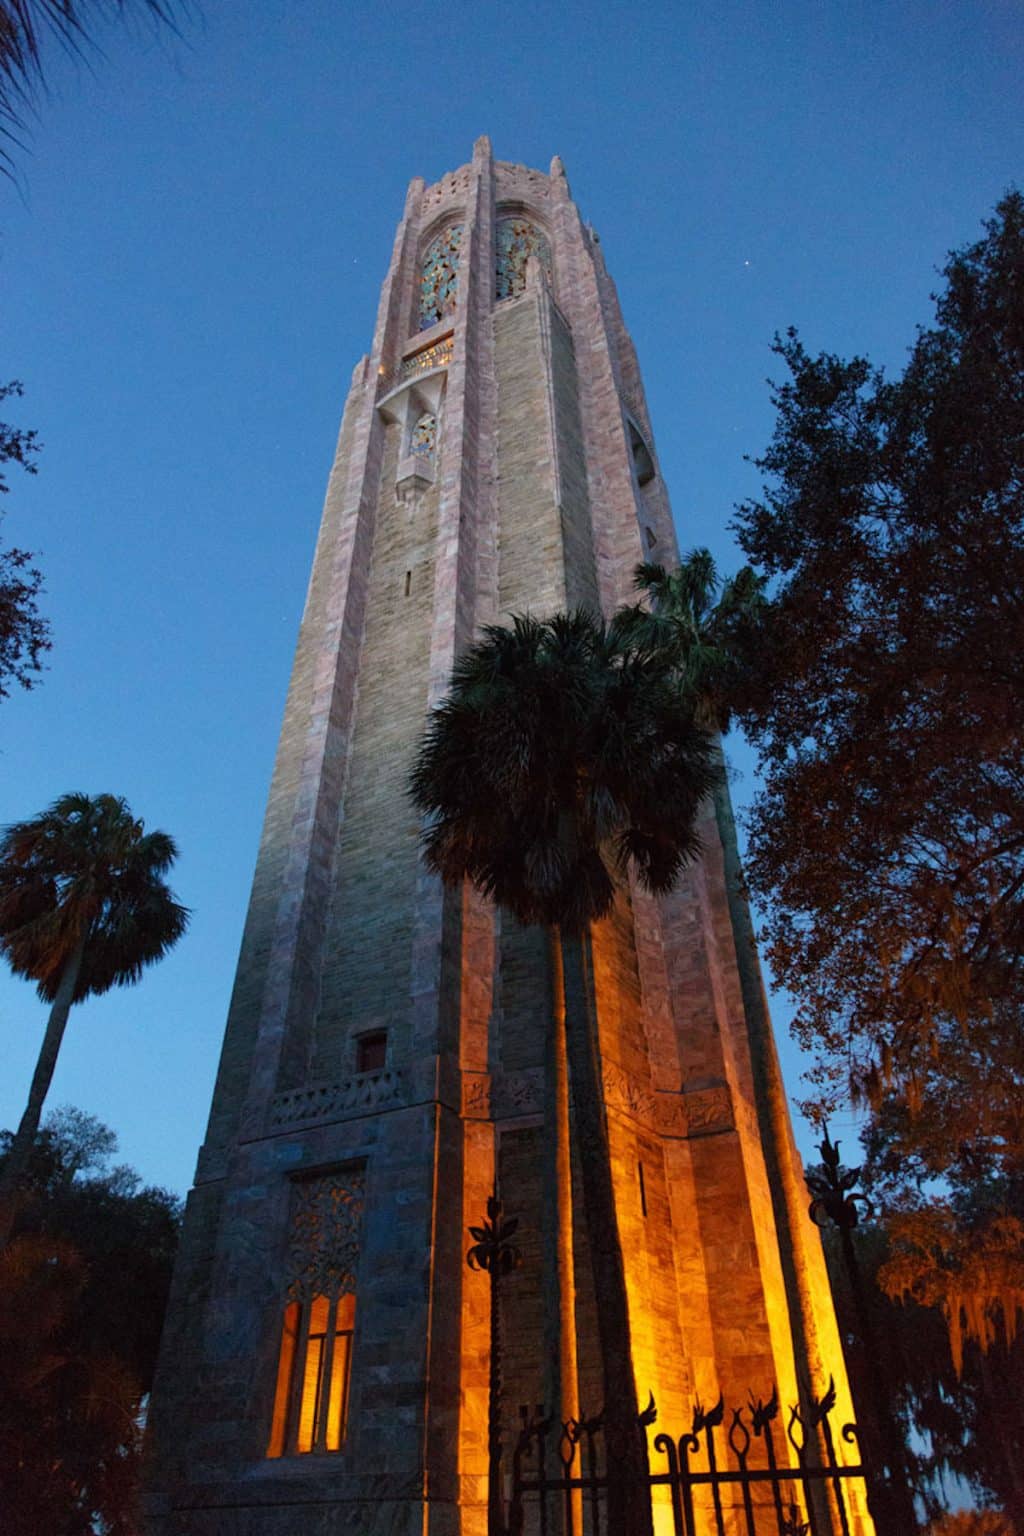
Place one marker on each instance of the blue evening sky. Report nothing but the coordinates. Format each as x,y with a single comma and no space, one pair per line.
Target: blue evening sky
190,265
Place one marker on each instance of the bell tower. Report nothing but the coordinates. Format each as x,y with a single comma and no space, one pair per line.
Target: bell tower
325,1360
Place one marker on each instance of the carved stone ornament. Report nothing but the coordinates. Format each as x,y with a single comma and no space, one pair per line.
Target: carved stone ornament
323,1253
625,1094
518,1093
505,1096
509,1095
336,1101
702,1112
709,1110
476,1095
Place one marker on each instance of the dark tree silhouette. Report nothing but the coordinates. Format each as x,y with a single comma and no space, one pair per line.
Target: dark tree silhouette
83,908
886,698
83,1288
24,635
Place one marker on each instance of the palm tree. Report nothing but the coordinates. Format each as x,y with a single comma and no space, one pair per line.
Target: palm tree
83,908
564,754
705,626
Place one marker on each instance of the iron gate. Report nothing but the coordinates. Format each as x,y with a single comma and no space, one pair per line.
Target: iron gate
741,1479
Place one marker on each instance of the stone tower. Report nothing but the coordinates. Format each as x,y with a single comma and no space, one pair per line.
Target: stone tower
324,1366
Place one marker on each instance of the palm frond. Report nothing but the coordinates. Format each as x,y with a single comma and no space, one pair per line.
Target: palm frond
558,738
86,868
24,26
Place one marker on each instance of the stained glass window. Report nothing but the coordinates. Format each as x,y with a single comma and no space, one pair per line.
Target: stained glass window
439,280
424,436
518,241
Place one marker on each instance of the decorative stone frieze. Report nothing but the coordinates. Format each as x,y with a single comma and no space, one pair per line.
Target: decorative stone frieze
362,1092
701,1112
514,1095
708,1110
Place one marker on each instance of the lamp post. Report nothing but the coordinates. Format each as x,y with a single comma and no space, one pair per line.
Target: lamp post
836,1200
495,1254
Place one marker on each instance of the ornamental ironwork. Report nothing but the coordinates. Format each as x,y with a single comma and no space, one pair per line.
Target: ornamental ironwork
323,1253
426,360
494,1253
745,1475
837,1200
834,1188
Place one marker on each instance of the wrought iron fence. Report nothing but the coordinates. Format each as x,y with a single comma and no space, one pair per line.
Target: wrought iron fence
740,1481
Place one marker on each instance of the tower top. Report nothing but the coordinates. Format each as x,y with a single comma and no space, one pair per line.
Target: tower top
512,180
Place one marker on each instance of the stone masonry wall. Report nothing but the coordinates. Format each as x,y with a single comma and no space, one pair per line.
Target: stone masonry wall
365,978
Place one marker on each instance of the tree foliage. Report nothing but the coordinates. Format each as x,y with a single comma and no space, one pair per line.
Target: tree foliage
704,626
83,1288
950,1174
960,1424
85,871
971,1522
563,753
84,907
886,694
24,634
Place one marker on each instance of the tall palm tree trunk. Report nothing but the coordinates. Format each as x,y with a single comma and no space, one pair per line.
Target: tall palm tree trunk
561,1377
629,1502
17,1162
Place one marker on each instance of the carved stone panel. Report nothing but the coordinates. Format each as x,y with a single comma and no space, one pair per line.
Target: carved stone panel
325,1102
476,1095
323,1252
518,1093
510,1095
709,1110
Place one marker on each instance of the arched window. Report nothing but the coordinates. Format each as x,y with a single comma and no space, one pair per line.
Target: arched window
423,441
642,460
518,241
439,277
315,1362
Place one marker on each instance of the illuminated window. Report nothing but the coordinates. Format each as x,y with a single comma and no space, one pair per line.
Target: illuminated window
315,1367
372,1050
315,1363
439,277
517,241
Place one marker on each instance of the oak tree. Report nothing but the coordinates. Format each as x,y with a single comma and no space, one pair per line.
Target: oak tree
885,695
24,633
